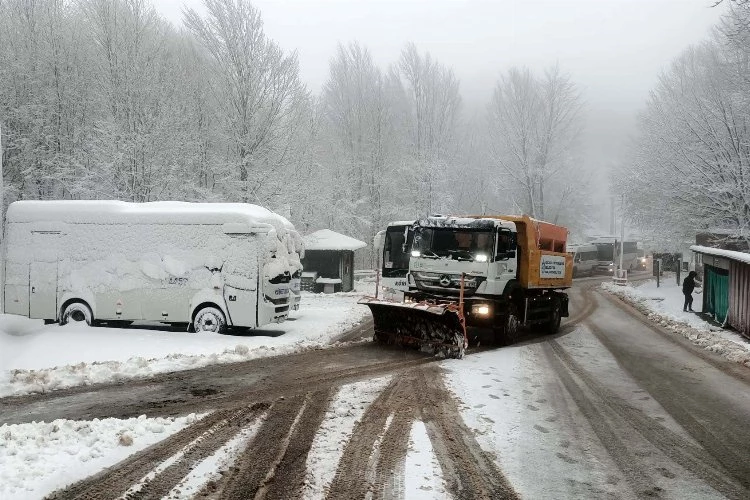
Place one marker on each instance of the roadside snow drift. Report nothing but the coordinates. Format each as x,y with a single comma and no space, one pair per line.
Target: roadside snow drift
39,458
37,358
663,306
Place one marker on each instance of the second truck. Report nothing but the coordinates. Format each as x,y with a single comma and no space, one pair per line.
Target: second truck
498,272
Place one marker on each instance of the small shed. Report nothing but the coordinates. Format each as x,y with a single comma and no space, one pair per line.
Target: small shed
726,286
329,261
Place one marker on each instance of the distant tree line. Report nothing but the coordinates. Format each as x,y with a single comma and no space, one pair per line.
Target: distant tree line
104,99
689,170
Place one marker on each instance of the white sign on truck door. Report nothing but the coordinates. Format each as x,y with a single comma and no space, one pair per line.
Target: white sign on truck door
552,266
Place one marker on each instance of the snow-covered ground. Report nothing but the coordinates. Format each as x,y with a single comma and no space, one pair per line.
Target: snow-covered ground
39,358
38,458
663,305
345,410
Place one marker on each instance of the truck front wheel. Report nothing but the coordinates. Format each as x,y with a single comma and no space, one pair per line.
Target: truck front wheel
509,328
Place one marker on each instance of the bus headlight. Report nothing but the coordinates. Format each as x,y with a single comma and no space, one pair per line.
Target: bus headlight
480,310
480,257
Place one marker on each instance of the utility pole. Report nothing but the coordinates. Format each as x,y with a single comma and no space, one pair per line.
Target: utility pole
2,185
622,228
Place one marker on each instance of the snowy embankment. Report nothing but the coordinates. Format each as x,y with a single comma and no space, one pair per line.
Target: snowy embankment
36,358
38,458
663,305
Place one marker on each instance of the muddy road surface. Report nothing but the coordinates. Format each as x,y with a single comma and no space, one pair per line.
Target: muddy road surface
610,407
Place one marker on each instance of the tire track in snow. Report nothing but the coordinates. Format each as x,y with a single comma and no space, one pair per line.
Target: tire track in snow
116,480
469,472
692,458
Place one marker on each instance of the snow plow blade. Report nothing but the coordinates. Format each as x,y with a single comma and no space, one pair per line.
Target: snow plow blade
435,328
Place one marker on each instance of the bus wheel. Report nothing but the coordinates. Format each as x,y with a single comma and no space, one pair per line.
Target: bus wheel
77,313
209,320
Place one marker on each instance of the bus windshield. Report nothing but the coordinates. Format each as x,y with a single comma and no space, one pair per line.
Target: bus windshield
396,250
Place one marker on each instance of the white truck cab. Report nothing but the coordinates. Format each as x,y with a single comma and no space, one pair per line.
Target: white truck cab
484,250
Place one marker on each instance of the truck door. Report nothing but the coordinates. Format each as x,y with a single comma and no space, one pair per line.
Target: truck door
43,290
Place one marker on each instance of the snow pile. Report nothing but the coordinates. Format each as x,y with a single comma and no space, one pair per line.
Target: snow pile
345,411
36,358
38,458
663,306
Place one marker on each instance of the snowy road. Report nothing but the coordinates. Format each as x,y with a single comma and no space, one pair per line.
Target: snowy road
611,407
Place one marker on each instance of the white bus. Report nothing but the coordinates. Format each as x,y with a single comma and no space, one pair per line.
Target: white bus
608,248
393,245
585,259
205,265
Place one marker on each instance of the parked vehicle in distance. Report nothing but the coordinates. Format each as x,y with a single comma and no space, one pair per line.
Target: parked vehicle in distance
207,265
585,259
393,246
608,248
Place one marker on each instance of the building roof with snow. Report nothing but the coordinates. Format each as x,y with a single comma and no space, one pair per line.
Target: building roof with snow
720,252
325,239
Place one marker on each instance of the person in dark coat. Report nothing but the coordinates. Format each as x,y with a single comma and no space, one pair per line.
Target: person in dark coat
688,285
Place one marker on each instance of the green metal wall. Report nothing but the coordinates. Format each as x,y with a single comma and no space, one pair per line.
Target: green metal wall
716,290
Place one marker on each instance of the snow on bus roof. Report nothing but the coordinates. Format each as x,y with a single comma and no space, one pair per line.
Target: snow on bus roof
325,239
113,211
720,252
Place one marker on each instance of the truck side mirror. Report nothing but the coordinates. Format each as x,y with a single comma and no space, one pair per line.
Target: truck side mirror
505,255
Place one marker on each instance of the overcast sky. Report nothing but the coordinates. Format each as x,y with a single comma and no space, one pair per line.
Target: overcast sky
613,49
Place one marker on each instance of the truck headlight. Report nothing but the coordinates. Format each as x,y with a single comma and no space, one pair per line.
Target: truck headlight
480,310
480,257
415,253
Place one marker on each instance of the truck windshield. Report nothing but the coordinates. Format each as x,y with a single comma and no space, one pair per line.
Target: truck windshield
459,244
396,251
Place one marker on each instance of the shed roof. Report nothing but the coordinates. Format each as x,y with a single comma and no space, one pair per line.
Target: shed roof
720,252
325,239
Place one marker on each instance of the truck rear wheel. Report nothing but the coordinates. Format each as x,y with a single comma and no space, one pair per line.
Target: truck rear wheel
209,320
553,326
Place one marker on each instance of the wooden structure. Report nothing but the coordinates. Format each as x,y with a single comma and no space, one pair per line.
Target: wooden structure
726,286
329,262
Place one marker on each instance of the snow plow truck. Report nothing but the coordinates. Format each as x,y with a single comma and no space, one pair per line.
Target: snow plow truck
498,272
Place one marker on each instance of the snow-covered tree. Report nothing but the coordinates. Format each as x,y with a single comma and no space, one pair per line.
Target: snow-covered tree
257,89
534,123
691,159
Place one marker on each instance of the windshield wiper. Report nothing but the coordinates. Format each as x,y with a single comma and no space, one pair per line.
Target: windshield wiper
455,254
432,255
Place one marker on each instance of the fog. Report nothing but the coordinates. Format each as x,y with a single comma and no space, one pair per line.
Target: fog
614,49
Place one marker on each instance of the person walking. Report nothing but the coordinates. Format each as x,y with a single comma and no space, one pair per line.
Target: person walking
688,285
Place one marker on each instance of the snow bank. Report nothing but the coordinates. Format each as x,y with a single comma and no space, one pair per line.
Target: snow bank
38,458
36,358
663,306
